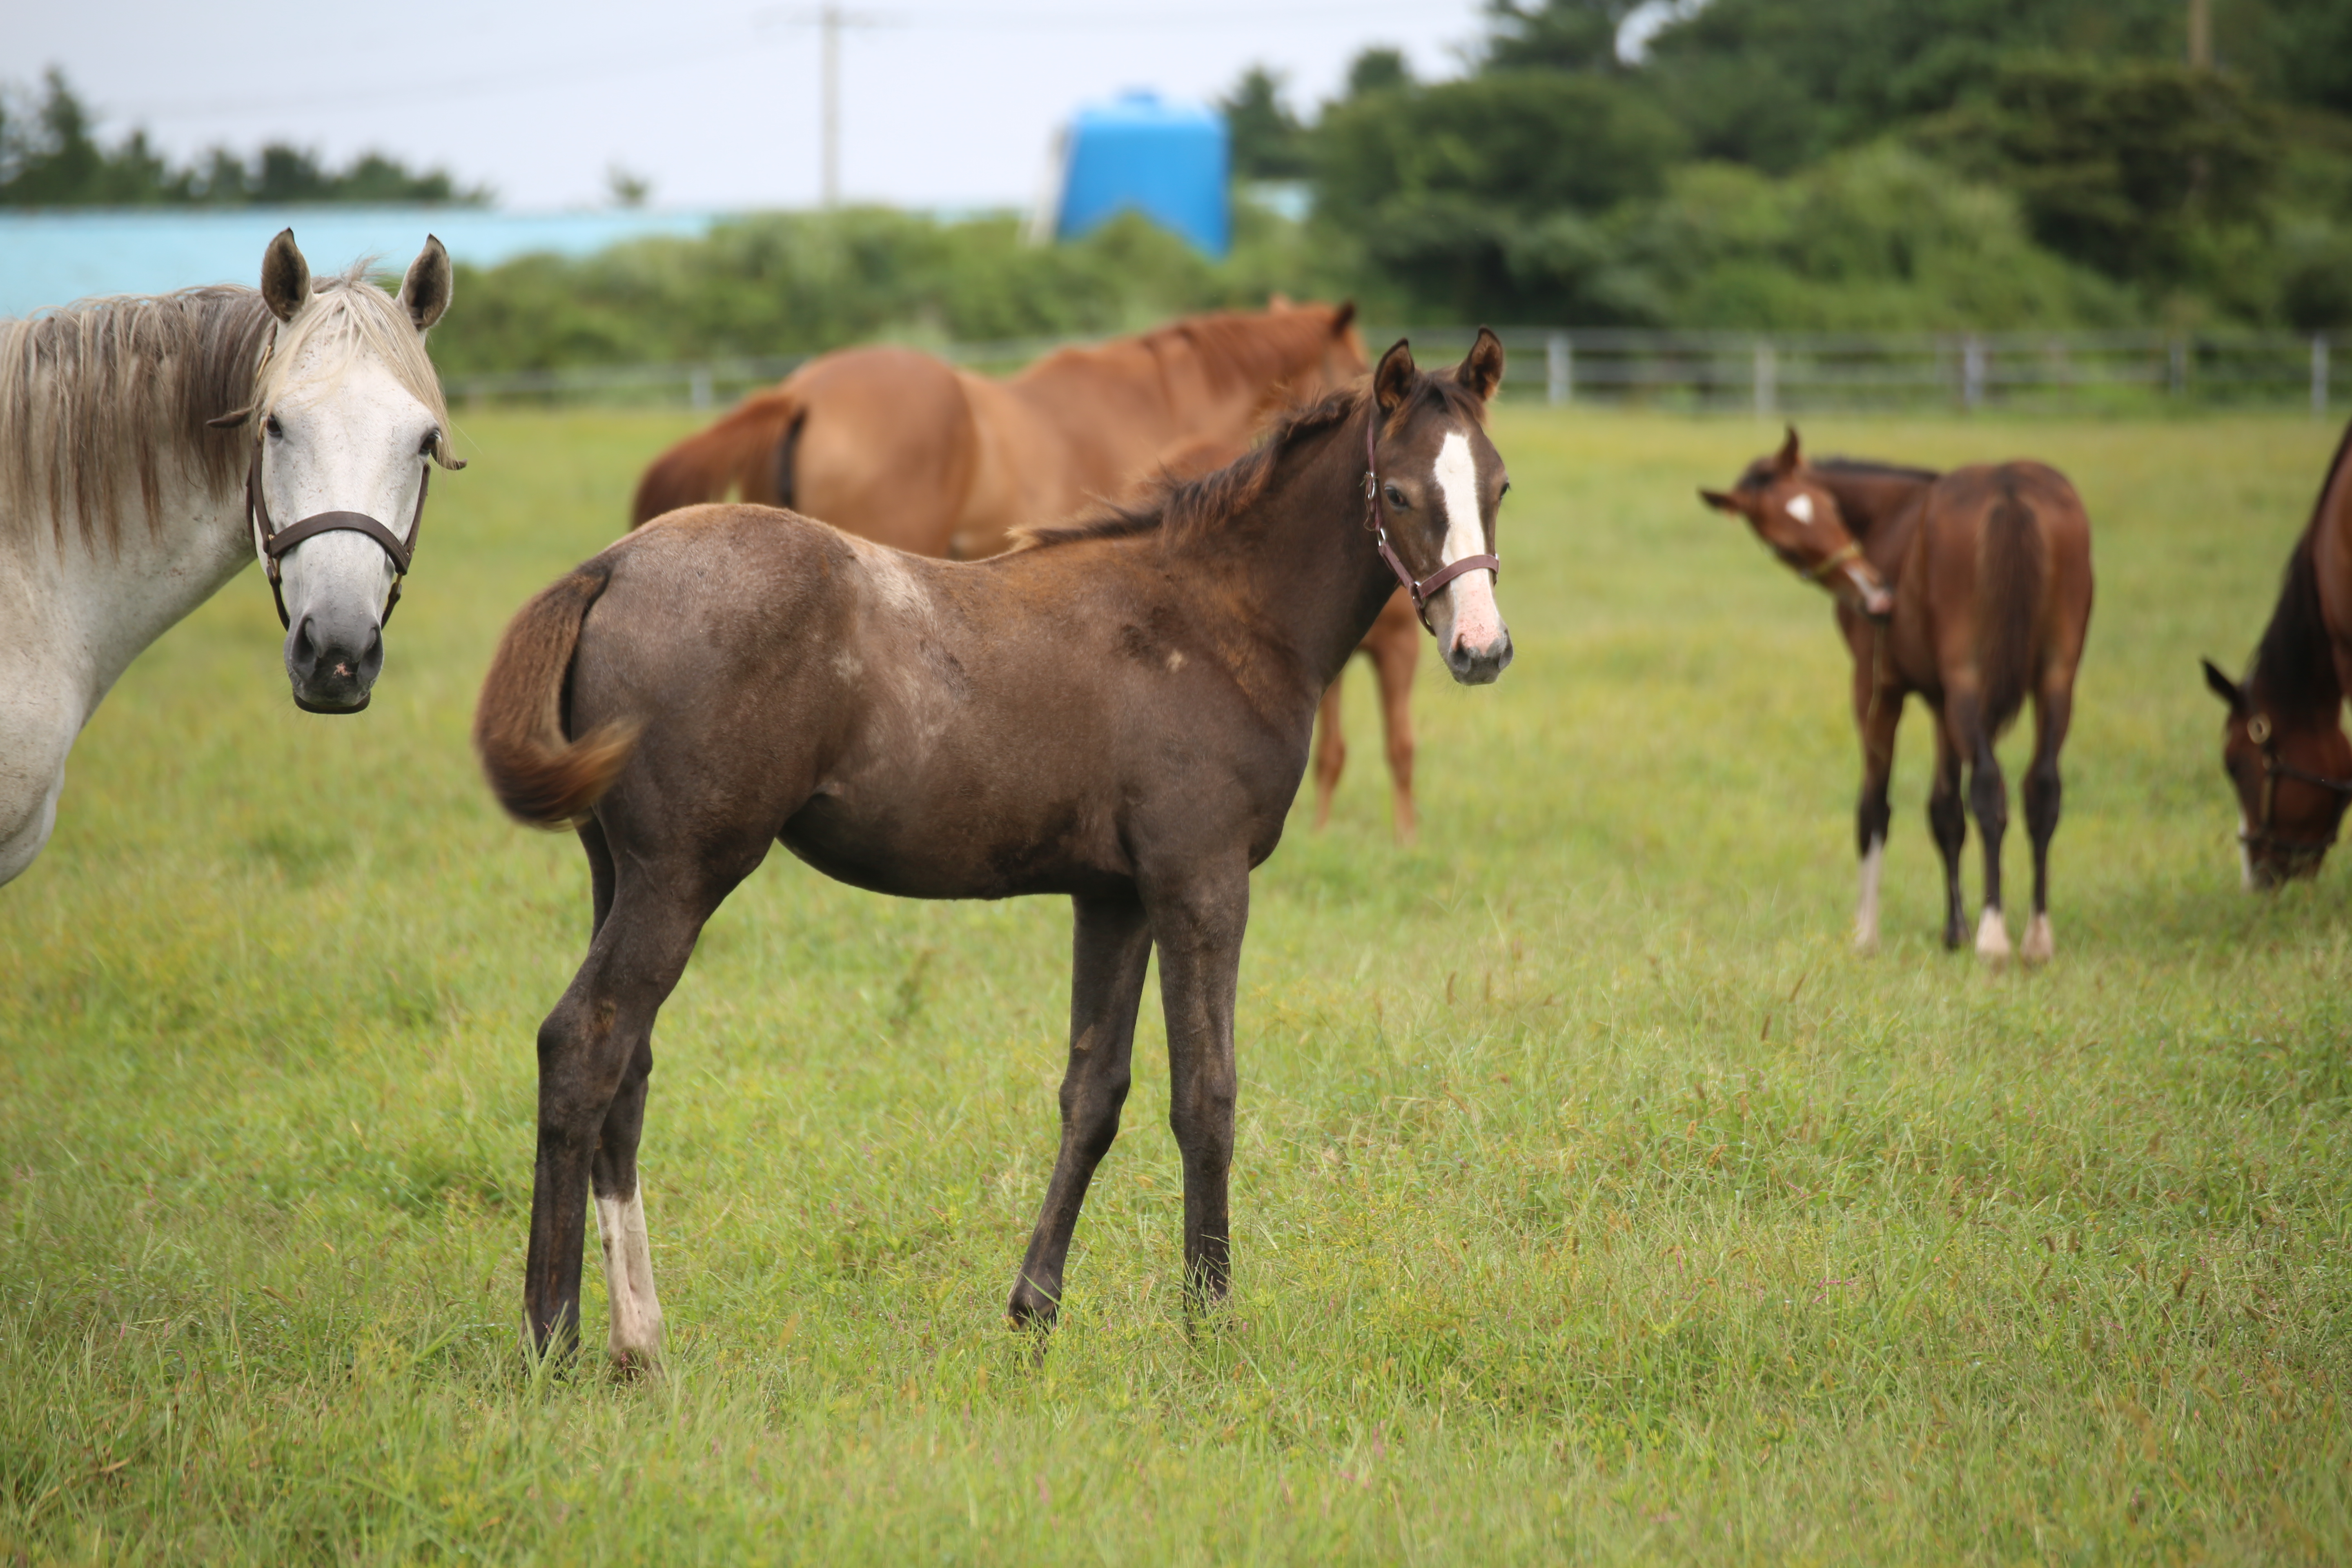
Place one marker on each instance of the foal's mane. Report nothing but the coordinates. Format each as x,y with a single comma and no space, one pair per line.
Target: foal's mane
1182,512
1761,472
110,397
2294,664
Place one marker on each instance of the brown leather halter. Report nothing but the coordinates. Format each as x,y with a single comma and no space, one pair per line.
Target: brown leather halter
2300,854
274,542
1852,548
1376,521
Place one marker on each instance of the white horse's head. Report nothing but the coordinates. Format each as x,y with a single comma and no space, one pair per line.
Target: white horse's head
350,422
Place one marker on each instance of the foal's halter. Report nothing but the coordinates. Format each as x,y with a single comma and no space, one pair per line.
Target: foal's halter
272,542
1376,522
1837,558
2299,853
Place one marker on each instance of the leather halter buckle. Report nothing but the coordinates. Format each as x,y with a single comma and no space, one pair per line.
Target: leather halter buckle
1376,520
272,542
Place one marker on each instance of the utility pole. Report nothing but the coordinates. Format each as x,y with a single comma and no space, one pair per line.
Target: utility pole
2200,35
829,19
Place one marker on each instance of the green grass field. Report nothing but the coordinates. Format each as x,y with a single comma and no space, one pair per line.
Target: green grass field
1591,1201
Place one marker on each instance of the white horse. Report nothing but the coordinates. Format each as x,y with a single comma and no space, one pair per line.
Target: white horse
129,491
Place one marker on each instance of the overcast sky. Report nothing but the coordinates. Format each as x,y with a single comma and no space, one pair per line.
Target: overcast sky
946,102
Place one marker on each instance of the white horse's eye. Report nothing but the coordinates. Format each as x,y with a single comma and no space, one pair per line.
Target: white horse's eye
432,439
271,423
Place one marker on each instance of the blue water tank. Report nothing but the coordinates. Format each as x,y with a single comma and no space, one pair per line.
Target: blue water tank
1165,161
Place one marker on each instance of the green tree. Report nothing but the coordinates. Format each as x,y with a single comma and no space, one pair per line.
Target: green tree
1268,143
1556,34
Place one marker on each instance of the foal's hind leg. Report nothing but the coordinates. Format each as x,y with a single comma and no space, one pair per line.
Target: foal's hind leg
2054,709
1876,714
1949,819
1197,919
1111,949
634,1339
1989,803
595,1051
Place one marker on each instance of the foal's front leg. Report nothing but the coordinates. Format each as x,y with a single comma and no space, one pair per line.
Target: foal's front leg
1876,713
1198,924
1111,951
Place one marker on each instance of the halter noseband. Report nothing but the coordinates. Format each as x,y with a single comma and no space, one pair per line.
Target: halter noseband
272,542
2298,852
1837,558
1376,522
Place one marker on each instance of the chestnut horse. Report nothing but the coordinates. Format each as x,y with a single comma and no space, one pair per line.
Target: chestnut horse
2283,744
906,450
1118,712
1971,588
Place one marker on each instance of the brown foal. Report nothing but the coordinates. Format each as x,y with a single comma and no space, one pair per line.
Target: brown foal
1972,589
2283,744
1118,713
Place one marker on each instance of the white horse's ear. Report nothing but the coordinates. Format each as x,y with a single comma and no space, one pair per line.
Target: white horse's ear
425,290
1392,377
285,277
1481,370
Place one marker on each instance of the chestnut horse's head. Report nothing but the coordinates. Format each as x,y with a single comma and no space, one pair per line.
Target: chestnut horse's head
2292,774
1441,482
1799,520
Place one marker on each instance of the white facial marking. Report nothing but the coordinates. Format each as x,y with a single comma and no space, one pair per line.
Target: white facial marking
1865,916
1802,508
1854,574
1478,621
635,1336
1175,660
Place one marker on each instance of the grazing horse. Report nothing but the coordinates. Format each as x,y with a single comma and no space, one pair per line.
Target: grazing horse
1971,588
2283,744
130,493
1118,712
906,450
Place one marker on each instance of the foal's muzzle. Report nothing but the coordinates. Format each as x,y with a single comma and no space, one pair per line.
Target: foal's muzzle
1479,666
334,661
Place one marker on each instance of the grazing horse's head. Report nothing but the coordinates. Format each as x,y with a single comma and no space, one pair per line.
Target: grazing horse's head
1441,483
351,421
1799,520
2293,772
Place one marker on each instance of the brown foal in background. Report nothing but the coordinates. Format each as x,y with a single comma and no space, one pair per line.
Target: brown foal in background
1972,589
905,449
1118,713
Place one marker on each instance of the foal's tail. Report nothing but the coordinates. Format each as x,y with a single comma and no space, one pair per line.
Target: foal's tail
542,777
748,451
2009,606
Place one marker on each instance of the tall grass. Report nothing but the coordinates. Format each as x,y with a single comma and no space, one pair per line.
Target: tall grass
1591,1200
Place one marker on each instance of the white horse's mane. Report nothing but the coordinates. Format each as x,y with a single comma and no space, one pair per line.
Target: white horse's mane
106,396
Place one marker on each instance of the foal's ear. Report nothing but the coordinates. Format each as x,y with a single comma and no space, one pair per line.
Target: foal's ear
1790,457
1722,502
1343,317
2222,687
1481,369
285,277
1392,377
425,290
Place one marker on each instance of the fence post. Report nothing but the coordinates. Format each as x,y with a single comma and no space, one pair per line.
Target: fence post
2177,366
2319,376
698,388
1972,373
1559,370
1768,379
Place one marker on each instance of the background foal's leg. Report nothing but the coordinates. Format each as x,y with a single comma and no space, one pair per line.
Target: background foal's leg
595,1052
1110,950
1330,750
1989,802
1875,715
1393,659
2054,708
1949,819
1198,925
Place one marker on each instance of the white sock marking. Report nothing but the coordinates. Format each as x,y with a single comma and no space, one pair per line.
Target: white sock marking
1478,621
1992,936
1865,915
636,1311
2040,945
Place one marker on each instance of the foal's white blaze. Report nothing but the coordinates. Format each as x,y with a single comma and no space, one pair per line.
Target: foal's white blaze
1992,936
635,1309
1865,915
1478,621
1802,508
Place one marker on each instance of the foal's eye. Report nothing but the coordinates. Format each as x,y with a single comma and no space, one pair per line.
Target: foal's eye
271,423
1396,499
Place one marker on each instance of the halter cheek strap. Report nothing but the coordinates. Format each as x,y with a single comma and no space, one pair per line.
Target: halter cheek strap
1376,520
272,542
